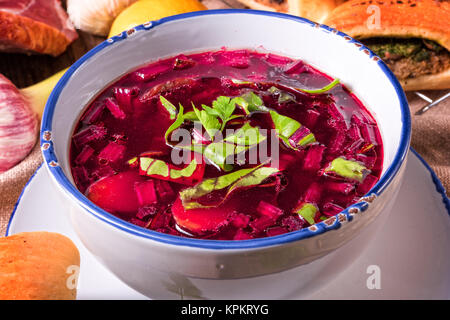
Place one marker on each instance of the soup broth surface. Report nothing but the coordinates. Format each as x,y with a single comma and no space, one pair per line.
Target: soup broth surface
226,145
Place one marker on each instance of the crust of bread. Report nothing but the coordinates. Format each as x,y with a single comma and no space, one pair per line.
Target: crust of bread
313,10
438,81
265,5
34,266
310,9
428,19
23,34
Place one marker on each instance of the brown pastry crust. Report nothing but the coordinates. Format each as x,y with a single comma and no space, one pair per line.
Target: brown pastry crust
429,19
34,266
18,33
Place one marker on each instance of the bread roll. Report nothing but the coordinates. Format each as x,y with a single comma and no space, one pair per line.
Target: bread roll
424,19
38,266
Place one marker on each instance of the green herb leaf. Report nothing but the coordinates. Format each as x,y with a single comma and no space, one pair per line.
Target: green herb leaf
328,87
284,126
191,116
185,172
224,106
250,102
234,144
160,169
308,212
176,124
169,107
283,96
209,122
347,168
232,181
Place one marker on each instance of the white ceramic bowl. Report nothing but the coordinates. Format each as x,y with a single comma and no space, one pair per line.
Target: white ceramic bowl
165,266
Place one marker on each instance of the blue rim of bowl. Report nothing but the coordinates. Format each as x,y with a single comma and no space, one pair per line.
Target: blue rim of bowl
319,228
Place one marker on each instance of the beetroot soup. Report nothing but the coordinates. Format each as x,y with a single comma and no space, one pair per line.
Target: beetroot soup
227,145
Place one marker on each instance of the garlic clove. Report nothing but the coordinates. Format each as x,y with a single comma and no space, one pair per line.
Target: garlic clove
95,16
18,125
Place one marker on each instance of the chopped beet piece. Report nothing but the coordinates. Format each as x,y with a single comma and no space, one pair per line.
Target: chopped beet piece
277,60
269,210
313,193
368,160
94,113
261,224
145,192
366,185
369,133
150,73
138,222
354,132
81,178
356,120
275,231
336,144
239,220
102,172
182,62
199,221
286,160
293,223
339,187
116,193
160,220
313,158
296,67
91,133
355,146
236,59
147,211
311,118
111,153
330,209
257,77
164,191
334,112
242,235
114,108
84,155
124,97
301,137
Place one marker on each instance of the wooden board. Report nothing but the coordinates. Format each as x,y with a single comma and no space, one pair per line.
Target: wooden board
24,70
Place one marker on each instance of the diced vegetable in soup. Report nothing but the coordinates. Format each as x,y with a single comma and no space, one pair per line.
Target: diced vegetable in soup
226,145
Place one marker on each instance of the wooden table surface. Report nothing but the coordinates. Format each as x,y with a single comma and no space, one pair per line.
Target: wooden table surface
24,70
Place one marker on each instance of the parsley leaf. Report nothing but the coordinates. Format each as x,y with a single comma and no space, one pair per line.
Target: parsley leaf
209,121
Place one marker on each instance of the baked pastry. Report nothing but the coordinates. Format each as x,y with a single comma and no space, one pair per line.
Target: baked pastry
412,37
315,10
38,266
39,26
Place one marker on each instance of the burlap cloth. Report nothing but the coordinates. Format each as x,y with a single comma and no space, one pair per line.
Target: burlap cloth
430,138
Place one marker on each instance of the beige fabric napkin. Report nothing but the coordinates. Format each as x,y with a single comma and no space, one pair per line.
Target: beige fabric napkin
431,138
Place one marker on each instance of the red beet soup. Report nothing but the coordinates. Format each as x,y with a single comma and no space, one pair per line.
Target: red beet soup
226,145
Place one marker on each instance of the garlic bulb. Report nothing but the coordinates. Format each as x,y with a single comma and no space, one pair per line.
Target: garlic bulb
18,125
95,16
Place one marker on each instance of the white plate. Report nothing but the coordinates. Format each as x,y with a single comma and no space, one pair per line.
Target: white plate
411,253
